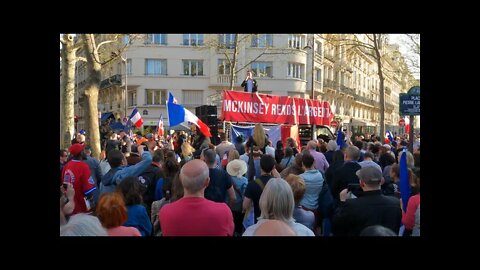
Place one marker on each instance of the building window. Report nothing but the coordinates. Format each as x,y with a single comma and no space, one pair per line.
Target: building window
156,97
262,40
296,70
129,66
192,97
262,69
318,75
223,67
132,98
319,47
193,67
193,39
296,41
155,67
156,39
226,40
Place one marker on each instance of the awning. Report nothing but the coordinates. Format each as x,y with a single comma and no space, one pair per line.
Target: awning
105,116
117,126
356,122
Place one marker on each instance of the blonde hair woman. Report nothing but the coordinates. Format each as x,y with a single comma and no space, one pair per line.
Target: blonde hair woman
187,151
277,203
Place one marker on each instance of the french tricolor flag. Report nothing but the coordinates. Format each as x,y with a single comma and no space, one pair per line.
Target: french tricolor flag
178,114
136,118
160,126
389,135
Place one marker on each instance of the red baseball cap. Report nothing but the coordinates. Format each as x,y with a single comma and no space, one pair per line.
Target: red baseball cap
76,149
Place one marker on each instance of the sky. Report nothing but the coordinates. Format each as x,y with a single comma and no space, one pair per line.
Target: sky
401,40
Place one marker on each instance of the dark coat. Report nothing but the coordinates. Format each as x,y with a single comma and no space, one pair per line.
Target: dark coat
371,208
343,176
245,85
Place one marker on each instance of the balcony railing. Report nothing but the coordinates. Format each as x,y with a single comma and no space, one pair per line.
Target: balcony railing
114,80
365,100
347,90
225,79
330,57
330,84
389,106
317,86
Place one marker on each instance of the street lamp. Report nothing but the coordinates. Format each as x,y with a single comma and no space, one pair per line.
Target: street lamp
311,45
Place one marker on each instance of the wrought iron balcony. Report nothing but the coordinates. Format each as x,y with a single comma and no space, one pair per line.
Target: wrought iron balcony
113,80
389,106
347,90
330,56
365,100
330,84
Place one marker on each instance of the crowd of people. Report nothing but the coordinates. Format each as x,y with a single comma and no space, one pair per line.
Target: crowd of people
184,185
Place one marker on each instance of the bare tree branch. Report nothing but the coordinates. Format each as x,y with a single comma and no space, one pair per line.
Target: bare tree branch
104,42
81,58
78,45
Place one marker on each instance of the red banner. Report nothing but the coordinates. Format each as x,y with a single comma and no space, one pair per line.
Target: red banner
258,108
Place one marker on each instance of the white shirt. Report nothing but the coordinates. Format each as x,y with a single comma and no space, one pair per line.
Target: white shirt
298,228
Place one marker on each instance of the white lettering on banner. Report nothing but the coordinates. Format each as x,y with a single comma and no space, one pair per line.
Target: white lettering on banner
274,109
255,108
227,105
234,106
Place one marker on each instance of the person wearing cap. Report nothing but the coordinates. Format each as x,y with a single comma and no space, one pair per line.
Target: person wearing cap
237,169
371,208
78,174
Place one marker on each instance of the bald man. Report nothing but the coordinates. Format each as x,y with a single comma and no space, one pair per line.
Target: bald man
193,215
274,227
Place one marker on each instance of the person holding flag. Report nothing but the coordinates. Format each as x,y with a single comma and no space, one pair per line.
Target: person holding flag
160,128
178,114
340,138
136,118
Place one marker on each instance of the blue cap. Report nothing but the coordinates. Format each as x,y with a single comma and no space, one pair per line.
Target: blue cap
83,132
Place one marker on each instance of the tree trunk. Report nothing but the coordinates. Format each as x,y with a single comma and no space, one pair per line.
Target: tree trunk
68,90
234,63
91,94
382,89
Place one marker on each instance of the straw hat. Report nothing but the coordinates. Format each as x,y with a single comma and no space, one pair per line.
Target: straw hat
236,167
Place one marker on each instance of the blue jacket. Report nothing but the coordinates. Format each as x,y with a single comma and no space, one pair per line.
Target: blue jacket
110,182
138,218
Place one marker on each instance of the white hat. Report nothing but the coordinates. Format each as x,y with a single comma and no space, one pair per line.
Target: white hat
236,167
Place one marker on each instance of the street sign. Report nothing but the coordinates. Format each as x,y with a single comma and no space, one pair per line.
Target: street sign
334,124
409,104
401,122
415,90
